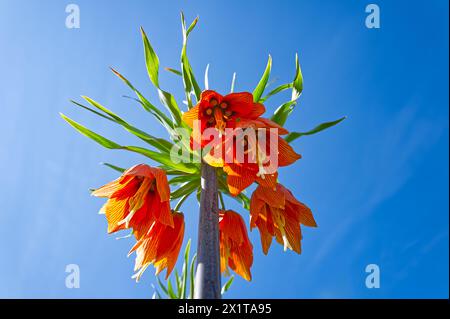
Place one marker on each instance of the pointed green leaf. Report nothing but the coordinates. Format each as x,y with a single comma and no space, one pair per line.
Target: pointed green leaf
233,81
169,102
170,171
163,159
207,77
199,193
164,288
103,109
282,112
227,285
151,60
189,81
275,91
91,110
192,277
159,143
183,178
156,294
173,71
259,90
185,269
244,200
180,202
149,107
172,294
178,283
158,157
295,135
298,80
152,63
92,135
192,26
186,188
114,167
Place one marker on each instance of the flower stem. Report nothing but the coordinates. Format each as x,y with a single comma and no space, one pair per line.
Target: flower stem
207,278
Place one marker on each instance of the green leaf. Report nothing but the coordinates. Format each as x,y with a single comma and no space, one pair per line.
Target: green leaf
277,90
183,178
169,102
173,71
149,107
103,109
151,60
163,159
298,80
170,171
199,193
92,135
114,167
189,81
152,64
185,269
159,143
164,288
295,135
259,90
227,285
233,81
192,277
180,202
244,200
158,157
186,188
192,26
91,110
178,283
172,294
207,77
282,112
156,294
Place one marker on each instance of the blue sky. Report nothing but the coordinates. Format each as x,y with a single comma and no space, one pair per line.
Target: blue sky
377,184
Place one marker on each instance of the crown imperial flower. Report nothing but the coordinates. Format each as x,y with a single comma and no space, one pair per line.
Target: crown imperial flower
160,246
277,213
136,199
236,250
220,112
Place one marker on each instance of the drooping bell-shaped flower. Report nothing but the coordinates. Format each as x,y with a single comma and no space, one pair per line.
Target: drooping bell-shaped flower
136,199
160,246
253,152
277,213
236,250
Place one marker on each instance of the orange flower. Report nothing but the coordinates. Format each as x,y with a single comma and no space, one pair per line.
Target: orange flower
241,176
277,213
260,159
236,250
215,110
136,199
160,246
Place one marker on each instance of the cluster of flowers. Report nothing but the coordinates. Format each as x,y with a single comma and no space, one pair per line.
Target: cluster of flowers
140,199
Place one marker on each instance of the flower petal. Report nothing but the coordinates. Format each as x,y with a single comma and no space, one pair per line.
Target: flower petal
190,116
239,177
286,154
